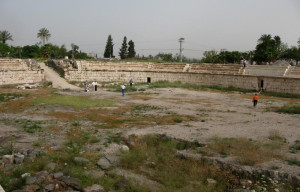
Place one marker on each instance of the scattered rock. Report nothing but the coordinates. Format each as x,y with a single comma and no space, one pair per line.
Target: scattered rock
94,174
41,176
296,180
94,188
23,176
50,187
81,160
30,180
8,159
19,158
276,190
31,188
72,182
51,166
124,148
58,175
104,163
1,189
211,181
34,153
112,158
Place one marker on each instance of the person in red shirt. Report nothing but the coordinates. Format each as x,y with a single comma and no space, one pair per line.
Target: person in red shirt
255,99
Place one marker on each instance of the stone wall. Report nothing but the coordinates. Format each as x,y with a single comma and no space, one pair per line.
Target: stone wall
273,84
16,71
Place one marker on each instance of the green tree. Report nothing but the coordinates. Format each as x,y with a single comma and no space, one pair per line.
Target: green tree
268,48
16,52
5,36
31,51
109,48
292,53
74,50
44,35
4,50
164,56
123,50
131,50
210,57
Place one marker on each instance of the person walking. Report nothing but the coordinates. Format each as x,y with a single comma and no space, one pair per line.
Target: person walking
86,86
255,100
96,85
123,90
130,82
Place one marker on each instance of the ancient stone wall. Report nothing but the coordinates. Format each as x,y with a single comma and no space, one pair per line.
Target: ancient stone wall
16,71
274,84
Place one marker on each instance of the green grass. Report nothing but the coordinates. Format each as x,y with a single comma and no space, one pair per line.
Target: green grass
138,108
228,89
30,126
289,109
247,152
283,95
6,149
77,102
295,147
294,162
117,88
178,84
157,153
9,96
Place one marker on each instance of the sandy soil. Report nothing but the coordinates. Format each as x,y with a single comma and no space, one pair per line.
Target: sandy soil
220,114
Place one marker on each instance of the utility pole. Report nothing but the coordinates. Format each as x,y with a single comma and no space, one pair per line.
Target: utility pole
180,49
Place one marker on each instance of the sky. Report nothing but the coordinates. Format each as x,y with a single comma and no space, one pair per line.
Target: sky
154,25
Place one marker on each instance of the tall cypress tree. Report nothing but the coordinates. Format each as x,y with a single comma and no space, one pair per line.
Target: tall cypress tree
109,48
131,50
123,50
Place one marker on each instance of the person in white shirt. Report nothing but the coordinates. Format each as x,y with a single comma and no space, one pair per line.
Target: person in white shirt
123,90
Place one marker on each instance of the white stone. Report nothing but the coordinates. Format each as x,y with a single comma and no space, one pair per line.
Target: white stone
8,159
124,148
94,188
25,175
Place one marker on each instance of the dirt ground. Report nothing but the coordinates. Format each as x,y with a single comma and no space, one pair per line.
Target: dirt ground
225,115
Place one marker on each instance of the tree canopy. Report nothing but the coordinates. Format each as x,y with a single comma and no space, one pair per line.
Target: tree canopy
109,48
267,48
44,35
123,50
5,36
131,49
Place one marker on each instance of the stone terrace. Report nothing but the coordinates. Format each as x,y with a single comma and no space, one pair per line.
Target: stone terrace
266,70
294,72
16,71
160,67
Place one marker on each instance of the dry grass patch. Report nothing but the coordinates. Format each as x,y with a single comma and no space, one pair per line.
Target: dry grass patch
157,154
247,152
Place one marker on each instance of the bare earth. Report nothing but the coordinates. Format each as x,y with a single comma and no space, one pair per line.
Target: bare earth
220,114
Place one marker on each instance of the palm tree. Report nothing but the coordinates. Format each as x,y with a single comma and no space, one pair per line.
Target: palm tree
5,36
44,35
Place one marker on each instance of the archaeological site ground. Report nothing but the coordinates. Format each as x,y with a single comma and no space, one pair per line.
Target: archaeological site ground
180,127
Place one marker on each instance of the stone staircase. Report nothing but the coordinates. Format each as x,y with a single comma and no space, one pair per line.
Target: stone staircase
13,65
232,69
294,71
265,70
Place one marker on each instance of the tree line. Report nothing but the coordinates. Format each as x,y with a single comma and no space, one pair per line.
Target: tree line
268,49
40,50
126,51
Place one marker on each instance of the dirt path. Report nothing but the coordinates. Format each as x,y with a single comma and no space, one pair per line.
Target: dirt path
57,81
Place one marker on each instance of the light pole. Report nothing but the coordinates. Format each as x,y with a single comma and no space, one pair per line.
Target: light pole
180,48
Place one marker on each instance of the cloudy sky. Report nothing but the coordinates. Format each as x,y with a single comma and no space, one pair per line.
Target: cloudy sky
154,25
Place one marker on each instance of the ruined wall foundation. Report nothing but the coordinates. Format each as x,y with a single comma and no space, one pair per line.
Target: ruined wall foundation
273,84
17,71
